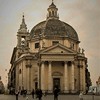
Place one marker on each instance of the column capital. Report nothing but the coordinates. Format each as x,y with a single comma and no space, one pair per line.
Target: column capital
65,62
28,66
72,62
42,62
49,61
81,66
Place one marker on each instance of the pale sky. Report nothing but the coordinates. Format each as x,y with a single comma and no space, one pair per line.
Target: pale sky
82,15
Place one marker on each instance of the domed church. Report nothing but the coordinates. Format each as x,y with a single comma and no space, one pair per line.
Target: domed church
48,57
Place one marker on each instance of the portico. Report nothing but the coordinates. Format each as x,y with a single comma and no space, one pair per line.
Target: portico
58,70
59,78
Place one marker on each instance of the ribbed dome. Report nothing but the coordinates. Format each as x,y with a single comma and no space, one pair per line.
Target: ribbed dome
54,27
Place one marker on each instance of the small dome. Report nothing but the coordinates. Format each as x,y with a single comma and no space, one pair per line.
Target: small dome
54,27
52,5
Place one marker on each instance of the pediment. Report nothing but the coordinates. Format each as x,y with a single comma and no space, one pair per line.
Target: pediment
57,49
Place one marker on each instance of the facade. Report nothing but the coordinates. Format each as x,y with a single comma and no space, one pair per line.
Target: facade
47,57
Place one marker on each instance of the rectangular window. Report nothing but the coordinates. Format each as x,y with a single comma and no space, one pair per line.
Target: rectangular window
36,45
55,42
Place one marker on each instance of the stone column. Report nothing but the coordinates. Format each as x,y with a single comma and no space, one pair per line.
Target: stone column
38,76
73,79
50,77
17,77
84,81
65,78
28,78
81,77
42,76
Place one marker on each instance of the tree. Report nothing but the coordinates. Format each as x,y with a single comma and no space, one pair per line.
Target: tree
88,79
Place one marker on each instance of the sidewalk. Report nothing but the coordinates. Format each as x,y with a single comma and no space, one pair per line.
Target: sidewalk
50,97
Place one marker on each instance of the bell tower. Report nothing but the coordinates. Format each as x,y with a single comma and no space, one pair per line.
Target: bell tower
52,11
22,37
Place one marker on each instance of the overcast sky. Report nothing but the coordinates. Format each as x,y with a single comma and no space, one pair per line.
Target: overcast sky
82,15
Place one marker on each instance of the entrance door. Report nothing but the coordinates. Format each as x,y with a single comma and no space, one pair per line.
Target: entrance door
56,83
36,85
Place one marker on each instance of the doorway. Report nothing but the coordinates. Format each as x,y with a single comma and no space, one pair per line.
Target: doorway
56,83
36,85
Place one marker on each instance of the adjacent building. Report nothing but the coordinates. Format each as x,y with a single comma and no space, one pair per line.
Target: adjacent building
48,56
98,85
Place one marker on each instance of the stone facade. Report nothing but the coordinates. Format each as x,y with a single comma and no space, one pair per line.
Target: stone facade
47,57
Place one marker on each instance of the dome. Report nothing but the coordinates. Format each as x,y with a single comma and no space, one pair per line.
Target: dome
54,27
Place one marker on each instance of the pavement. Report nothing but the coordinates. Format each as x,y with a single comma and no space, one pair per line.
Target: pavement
50,97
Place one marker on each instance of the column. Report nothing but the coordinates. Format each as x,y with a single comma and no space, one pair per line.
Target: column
84,81
81,78
39,77
42,76
65,78
17,77
28,78
73,80
50,77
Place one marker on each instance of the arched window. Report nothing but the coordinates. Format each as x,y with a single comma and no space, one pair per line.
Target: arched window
49,13
23,41
20,71
53,13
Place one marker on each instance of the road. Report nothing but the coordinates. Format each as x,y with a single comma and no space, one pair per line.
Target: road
50,97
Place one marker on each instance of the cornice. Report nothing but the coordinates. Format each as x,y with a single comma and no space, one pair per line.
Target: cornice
26,57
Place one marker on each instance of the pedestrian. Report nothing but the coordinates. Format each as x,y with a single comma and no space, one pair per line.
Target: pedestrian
81,96
16,93
39,94
24,93
56,93
36,92
33,93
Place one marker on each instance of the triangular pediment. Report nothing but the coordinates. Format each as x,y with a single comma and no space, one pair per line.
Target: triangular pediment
57,49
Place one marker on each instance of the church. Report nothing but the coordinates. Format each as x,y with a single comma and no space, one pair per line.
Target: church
48,56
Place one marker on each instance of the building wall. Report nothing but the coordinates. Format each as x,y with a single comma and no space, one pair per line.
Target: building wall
48,43
26,80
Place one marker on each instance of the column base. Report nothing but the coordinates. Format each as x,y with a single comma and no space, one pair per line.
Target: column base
28,91
50,91
73,91
66,91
